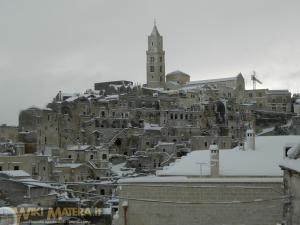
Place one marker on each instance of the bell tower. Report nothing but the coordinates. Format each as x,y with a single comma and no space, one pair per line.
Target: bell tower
155,60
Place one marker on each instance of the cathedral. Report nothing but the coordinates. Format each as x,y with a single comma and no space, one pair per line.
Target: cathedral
157,79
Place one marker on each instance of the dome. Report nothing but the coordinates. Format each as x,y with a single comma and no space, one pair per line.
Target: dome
178,76
178,73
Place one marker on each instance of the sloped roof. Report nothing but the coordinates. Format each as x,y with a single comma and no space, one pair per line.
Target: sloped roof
15,173
155,31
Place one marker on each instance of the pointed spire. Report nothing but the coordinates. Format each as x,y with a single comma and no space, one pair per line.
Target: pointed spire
154,30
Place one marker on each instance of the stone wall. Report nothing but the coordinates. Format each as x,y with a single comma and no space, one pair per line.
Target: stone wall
203,142
292,208
36,166
194,209
8,133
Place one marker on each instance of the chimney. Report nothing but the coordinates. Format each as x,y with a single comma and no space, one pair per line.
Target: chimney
214,160
250,139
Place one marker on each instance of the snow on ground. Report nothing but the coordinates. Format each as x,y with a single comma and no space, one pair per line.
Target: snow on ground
121,169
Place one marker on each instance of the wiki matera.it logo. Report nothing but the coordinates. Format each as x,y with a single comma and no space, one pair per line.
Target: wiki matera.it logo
14,216
8,216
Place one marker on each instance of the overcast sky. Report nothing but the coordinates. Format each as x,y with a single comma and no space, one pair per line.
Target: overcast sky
68,45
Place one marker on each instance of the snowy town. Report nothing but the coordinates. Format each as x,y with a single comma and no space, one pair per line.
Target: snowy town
172,151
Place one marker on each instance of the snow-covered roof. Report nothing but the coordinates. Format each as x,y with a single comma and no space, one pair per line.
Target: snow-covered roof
71,99
78,147
294,152
15,173
263,161
212,80
278,92
292,162
71,165
161,143
35,183
185,179
266,130
112,97
154,89
149,126
121,169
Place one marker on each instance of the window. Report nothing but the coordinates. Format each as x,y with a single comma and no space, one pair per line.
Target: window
151,59
151,68
44,168
91,156
160,69
102,192
104,156
160,59
0,168
205,144
16,167
69,156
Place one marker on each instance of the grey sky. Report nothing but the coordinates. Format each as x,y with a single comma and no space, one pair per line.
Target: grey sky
47,46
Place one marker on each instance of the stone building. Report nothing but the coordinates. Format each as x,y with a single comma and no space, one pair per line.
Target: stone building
270,100
114,87
19,188
35,165
296,106
8,133
291,167
242,186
